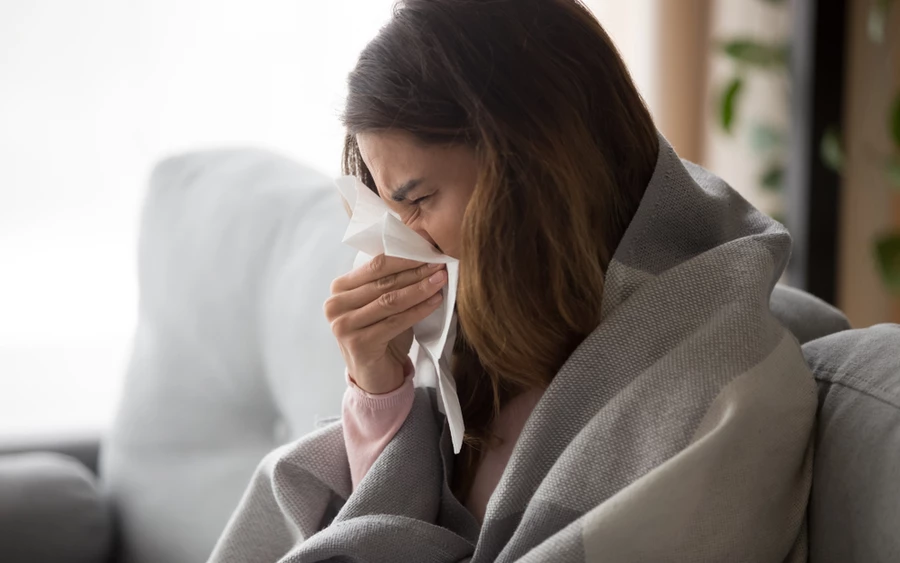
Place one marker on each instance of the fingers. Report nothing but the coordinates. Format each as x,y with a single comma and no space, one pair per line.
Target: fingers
405,293
381,333
389,304
376,268
362,296
397,301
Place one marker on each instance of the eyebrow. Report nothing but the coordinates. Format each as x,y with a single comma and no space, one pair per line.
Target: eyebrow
400,193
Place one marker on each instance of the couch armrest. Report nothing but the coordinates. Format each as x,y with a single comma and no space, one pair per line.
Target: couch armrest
51,509
83,447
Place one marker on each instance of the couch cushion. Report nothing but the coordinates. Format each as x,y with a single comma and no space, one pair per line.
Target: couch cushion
805,315
51,510
854,512
232,355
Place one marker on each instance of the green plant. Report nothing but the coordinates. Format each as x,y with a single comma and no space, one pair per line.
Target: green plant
886,247
768,141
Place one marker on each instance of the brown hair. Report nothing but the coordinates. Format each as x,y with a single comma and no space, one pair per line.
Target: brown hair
565,147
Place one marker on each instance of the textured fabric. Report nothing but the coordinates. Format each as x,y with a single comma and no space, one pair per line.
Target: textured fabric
370,421
232,355
680,429
854,512
51,511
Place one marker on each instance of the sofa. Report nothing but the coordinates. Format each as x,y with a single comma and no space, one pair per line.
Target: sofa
232,357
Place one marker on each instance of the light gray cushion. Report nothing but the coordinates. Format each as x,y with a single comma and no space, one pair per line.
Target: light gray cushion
805,315
51,511
232,356
855,505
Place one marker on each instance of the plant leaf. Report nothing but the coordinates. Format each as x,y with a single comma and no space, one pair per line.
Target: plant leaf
875,24
895,120
830,150
879,14
887,256
772,179
765,137
752,52
893,171
728,105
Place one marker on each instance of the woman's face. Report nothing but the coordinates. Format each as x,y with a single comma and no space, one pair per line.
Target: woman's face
429,186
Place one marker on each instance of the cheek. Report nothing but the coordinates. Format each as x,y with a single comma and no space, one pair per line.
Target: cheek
448,240
446,230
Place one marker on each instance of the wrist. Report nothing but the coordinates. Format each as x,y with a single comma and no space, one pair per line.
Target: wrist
362,399
376,389
380,386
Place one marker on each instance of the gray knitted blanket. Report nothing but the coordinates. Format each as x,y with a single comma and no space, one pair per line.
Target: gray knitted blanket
680,429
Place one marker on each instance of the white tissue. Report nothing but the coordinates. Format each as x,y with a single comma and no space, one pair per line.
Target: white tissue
375,229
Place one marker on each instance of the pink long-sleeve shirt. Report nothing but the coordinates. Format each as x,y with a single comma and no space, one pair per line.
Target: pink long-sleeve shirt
370,421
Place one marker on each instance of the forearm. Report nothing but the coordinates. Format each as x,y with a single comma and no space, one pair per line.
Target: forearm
370,421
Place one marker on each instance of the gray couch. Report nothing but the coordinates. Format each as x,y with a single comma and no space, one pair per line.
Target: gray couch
232,357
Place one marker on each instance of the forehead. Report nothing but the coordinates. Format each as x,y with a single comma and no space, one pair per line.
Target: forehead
395,158
391,155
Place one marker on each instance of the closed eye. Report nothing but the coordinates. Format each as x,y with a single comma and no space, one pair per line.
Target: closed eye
419,200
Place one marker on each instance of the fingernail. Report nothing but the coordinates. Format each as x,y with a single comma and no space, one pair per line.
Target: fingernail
437,278
434,266
435,298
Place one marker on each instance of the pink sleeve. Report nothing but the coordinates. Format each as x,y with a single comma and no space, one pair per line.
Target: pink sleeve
370,421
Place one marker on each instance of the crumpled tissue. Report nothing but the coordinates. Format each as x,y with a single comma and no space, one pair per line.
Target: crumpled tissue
375,229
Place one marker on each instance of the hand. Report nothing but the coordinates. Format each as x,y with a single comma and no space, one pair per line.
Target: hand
372,310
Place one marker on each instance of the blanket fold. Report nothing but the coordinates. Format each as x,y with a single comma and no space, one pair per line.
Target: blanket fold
679,430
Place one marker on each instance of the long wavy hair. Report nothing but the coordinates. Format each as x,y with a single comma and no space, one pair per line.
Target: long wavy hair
565,148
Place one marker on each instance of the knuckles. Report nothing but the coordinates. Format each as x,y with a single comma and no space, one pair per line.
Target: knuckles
386,282
376,264
388,300
339,327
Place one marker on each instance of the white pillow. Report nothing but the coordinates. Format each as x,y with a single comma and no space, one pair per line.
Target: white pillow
232,355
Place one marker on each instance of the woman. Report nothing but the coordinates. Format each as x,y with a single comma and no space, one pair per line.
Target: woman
627,395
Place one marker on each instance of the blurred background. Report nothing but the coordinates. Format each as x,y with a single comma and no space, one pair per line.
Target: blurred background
795,103
93,93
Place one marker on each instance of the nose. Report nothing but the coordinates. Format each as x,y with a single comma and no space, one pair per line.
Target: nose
424,234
